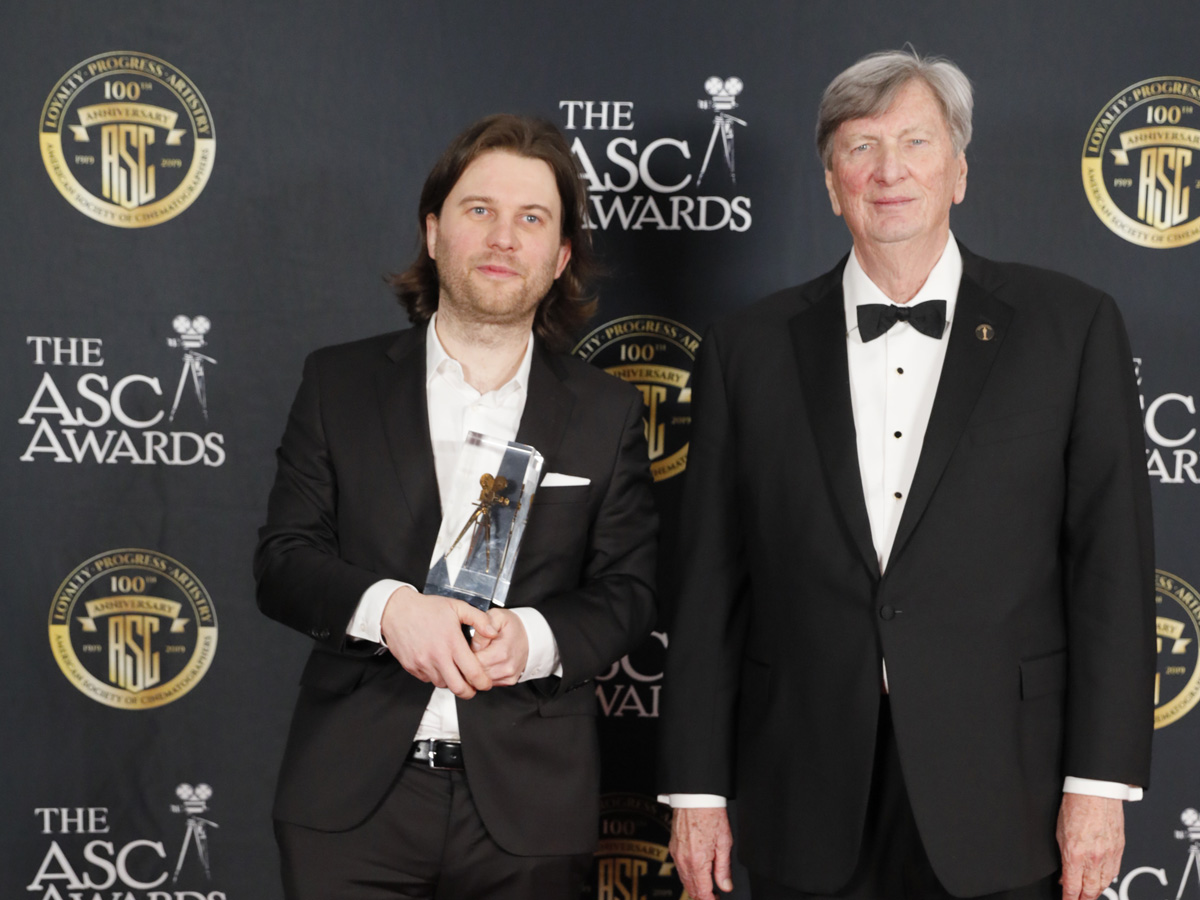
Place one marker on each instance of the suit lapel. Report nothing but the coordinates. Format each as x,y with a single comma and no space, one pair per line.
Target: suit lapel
547,406
964,372
819,341
405,415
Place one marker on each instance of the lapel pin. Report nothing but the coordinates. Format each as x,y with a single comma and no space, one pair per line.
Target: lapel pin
985,332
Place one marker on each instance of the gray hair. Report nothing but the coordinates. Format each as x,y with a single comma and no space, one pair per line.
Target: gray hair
868,87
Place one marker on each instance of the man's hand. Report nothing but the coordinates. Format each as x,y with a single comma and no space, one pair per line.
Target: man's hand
700,844
504,655
424,633
1091,836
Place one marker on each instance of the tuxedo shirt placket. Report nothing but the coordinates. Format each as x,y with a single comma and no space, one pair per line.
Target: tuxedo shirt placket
893,381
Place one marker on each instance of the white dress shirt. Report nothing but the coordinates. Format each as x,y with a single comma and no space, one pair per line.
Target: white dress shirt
456,408
893,381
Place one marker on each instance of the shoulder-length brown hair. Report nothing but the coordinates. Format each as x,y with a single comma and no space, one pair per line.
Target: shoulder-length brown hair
568,305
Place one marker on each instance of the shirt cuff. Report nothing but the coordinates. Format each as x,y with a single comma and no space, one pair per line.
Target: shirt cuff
693,801
1114,790
368,615
543,648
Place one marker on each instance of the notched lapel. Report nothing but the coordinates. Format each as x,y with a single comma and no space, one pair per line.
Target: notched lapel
547,407
968,361
403,410
819,341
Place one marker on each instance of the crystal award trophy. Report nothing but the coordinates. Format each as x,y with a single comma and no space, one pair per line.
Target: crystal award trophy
483,520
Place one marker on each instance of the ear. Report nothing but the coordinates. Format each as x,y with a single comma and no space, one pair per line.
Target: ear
960,186
833,200
431,232
564,256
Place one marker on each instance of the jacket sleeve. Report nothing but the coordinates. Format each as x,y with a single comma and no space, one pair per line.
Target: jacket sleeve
612,610
1108,552
302,581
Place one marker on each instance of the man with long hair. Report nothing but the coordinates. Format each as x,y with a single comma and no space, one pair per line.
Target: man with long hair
418,764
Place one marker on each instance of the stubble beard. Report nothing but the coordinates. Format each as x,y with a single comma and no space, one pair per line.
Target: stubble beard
479,302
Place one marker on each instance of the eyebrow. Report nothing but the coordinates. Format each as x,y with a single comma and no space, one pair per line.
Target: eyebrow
920,126
476,199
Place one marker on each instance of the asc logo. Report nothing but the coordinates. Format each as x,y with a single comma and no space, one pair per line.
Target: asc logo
1177,680
656,356
127,139
133,629
638,182
1141,163
95,418
138,869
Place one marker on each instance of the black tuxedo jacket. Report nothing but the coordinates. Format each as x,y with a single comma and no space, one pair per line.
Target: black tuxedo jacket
1016,614
356,500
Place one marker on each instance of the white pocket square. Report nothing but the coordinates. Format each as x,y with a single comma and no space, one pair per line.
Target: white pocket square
557,479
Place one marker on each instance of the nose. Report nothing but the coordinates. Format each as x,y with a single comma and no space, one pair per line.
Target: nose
502,236
889,168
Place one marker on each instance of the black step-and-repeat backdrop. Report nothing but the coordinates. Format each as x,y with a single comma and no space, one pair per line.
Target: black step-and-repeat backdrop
194,195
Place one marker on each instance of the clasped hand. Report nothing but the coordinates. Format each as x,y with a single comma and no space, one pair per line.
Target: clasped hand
424,633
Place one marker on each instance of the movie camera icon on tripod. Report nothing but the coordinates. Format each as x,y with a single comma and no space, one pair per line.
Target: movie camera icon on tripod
1191,832
191,338
722,95
195,801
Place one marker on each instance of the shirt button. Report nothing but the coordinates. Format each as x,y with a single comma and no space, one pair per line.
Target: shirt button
898,495
899,370
898,434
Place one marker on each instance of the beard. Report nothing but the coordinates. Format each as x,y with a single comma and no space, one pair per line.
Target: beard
473,298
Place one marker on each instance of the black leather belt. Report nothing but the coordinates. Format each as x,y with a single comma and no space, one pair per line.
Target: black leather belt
437,754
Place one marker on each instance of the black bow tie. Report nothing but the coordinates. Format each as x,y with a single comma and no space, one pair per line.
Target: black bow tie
929,318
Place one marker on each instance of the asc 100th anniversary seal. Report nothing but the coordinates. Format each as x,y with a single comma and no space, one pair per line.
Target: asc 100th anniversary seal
133,629
128,139
656,356
1141,163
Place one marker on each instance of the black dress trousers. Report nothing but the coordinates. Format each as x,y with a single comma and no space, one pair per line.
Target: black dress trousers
426,840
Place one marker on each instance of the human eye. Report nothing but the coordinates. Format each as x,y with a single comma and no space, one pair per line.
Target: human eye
531,218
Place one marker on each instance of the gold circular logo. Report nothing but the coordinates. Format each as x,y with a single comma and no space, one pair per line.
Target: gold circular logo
1141,163
655,355
133,629
127,139
1177,623
632,859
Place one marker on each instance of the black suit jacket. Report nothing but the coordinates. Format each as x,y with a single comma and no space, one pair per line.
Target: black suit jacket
356,500
1016,614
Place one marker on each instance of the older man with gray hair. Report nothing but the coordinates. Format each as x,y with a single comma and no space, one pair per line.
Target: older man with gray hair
914,632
